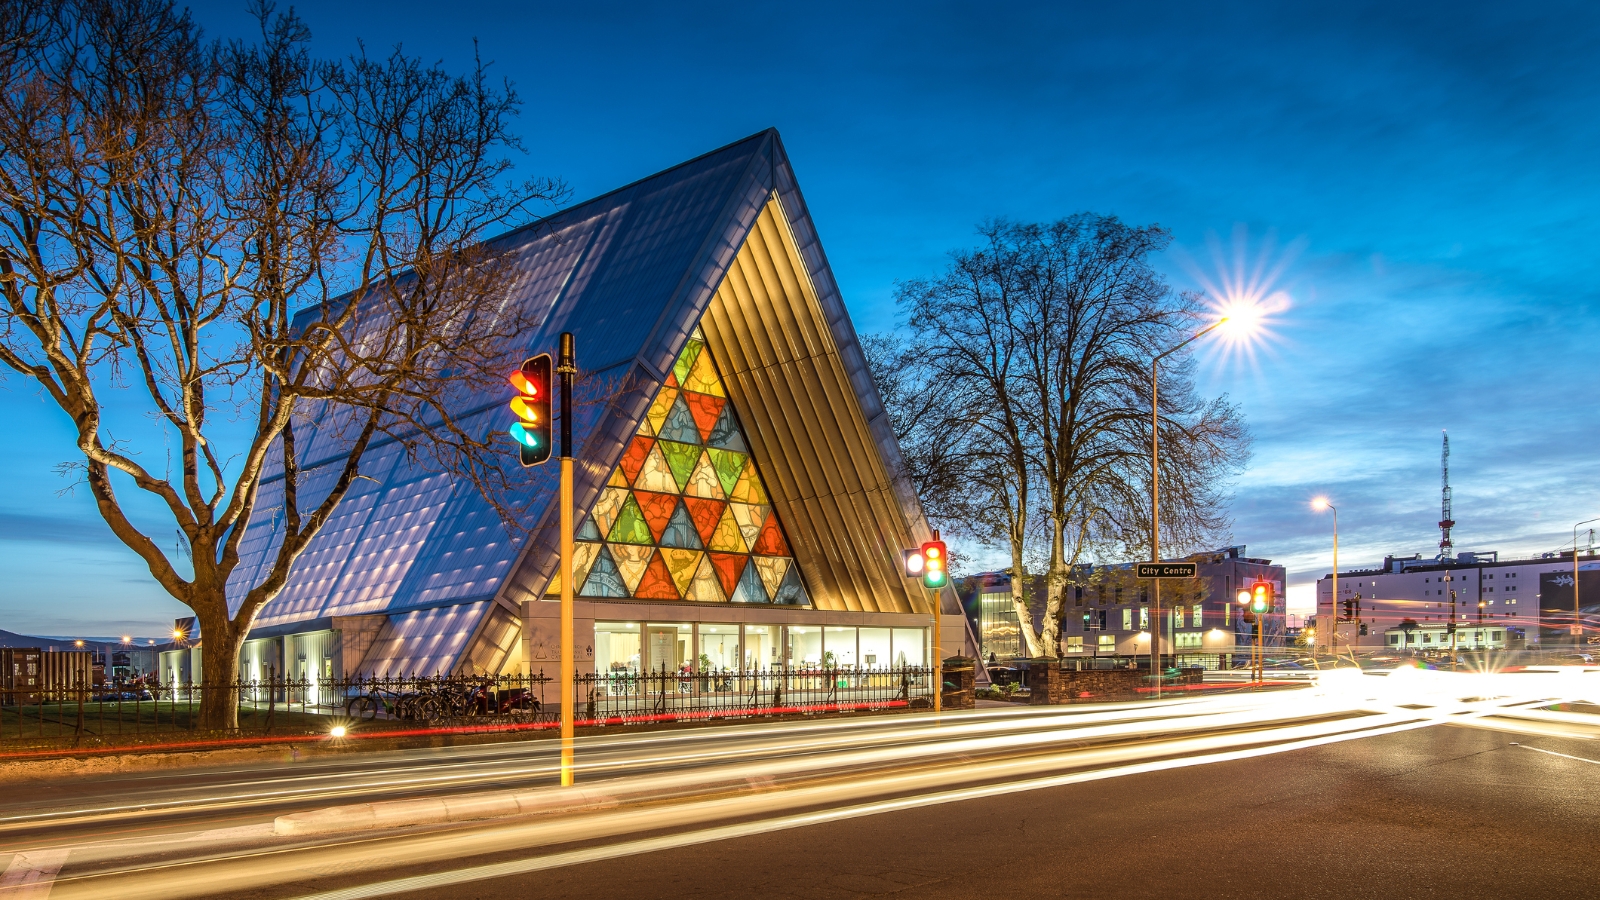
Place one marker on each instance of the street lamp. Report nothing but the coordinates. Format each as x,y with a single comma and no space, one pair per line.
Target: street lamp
1155,497
1577,612
1320,504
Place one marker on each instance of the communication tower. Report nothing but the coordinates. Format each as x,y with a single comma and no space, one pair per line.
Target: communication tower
1446,520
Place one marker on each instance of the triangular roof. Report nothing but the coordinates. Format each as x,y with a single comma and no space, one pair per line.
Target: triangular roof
725,241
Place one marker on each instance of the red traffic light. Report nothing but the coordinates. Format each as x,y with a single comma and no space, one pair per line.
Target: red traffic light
531,406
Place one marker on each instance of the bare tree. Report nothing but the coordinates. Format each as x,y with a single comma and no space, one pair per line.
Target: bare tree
269,258
1053,327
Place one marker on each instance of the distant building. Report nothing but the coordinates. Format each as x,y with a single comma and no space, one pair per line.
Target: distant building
1108,611
1530,599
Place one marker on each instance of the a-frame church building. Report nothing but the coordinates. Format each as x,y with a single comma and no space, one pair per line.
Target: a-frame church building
741,504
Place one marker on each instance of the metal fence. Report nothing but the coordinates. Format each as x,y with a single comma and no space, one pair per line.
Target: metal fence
142,711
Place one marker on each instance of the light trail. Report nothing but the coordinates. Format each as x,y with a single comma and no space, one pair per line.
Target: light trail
747,780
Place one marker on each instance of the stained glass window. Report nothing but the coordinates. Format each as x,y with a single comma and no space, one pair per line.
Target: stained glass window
685,515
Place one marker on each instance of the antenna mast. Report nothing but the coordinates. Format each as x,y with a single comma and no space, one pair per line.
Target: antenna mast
1446,521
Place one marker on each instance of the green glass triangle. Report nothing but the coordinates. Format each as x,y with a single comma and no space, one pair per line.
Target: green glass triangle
630,527
680,459
728,465
686,359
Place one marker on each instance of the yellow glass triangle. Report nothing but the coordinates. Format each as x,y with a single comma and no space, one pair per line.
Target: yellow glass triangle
616,479
748,488
703,377
727,538
681,565
772,569
658,411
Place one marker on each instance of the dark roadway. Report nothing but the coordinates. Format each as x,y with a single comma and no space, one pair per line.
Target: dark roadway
1446,812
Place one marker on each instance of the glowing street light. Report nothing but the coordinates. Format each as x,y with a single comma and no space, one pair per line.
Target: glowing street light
1239,328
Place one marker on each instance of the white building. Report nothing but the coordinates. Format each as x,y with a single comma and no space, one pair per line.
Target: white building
1480,588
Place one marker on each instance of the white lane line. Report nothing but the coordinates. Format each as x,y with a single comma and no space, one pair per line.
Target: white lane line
1592,762
800,820
32,873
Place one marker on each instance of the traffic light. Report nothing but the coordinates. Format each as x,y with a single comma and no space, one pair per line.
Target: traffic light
1349,610
1261,597
933,564
911,563
531,406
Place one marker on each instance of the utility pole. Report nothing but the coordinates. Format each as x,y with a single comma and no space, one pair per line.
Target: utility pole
567,366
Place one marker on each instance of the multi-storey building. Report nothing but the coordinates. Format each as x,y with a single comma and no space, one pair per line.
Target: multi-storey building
1521,602
1107,611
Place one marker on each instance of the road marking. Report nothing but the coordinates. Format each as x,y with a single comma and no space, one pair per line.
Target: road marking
1592,762
31,874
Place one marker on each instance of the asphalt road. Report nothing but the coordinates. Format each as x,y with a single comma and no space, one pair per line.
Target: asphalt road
1445,812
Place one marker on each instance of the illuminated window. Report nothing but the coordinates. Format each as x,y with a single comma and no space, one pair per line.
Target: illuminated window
685,515
1075,643
1127,620
1108,644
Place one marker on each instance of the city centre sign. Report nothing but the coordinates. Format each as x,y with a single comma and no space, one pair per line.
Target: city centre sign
1165,570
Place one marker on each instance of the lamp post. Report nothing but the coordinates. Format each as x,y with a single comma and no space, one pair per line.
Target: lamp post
1319,504
1155,498
1577,614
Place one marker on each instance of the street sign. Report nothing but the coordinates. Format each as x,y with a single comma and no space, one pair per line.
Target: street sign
1165,570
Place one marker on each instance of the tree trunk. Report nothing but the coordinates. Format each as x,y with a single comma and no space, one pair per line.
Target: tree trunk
1019,602
1055,590
220,646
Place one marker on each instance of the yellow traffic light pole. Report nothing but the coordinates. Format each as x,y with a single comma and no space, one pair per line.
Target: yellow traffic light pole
567,368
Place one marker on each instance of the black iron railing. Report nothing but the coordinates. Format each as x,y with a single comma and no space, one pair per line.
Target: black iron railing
136,711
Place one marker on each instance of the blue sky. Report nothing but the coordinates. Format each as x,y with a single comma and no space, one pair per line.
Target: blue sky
1424,177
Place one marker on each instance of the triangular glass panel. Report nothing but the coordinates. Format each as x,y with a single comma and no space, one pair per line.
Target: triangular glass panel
656,474
748,489
750,519
680,531
706,410
772,569
725,433
704,587
705,514
681,565
657,510
703,378
617,479
583,556
680,460
606,508
727,537
771,542
729,466
657,416
587,531
728,567
604,580
631,562
703,482
679,425
630,527
685,362
791,592
633,458
750,589
657,582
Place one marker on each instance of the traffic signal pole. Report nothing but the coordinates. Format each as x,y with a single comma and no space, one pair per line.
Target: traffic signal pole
567,367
